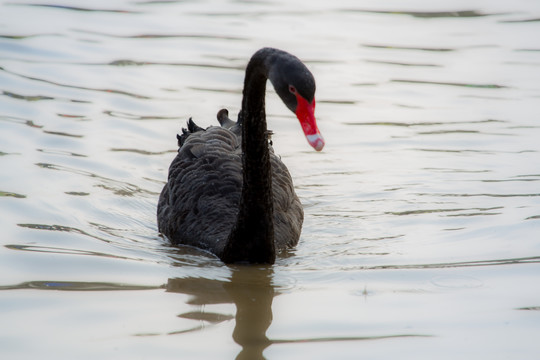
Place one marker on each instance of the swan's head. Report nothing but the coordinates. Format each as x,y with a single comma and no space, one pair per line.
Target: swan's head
295,85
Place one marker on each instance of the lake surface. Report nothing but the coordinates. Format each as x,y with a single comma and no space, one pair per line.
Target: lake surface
422,214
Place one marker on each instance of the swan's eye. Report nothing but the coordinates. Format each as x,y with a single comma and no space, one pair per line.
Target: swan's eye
292,89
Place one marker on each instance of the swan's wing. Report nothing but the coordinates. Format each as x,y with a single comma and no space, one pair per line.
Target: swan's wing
288,211
199,203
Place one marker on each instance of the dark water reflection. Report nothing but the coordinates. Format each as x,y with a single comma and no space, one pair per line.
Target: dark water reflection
252,291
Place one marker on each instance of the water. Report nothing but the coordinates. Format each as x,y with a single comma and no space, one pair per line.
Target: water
421,237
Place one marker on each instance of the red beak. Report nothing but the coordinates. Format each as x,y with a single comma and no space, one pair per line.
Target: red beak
305,112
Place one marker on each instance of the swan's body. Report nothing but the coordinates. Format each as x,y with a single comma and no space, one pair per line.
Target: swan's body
227,192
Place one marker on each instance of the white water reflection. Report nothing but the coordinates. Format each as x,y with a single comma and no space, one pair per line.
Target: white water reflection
422,212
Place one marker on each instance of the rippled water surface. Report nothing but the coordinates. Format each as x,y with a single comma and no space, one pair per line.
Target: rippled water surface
422,228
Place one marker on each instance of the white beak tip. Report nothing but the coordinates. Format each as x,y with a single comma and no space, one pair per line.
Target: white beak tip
316,141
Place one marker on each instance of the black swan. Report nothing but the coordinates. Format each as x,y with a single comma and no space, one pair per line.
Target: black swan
227,192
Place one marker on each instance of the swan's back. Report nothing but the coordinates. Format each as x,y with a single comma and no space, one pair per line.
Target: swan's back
199,204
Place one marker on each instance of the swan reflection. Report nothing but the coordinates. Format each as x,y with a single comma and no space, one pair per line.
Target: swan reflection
250,289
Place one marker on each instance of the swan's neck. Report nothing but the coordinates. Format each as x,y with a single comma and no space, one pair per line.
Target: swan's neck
252,237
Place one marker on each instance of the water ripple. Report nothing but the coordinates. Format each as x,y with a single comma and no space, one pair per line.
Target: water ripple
26,97
125,115
22,37
11,194
166,36
496,262
78,87
423,123
401,63
118,187
58,250
395,47
425,82
427,14
60,152
479,195
484,211
19,120
75,8
526,20
62,133
77,286
143,152
55,228
345,338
